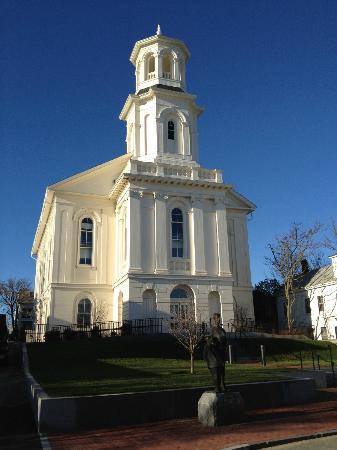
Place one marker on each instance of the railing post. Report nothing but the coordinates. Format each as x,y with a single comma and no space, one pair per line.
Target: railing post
230,355
263,355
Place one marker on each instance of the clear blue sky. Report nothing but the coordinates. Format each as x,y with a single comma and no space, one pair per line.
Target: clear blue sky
265,71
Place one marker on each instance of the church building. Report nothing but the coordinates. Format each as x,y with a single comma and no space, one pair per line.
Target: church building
150,232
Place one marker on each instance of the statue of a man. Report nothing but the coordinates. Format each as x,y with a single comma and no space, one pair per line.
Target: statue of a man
215,353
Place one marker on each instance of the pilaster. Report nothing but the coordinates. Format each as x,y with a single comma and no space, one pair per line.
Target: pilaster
134,231
160,236
197,238
222,238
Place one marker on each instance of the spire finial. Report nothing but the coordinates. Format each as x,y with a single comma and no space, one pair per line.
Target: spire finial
158,30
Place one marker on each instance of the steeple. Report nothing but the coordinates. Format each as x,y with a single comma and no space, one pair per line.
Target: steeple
161,116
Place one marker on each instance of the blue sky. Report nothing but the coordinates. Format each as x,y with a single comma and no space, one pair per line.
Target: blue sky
264,70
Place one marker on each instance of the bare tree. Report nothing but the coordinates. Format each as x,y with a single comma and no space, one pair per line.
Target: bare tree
187,330
288,251
100,312
12,293
330,242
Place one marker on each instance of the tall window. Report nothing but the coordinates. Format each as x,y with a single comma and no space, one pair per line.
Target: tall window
86,241
320,302
170,130
84,313
177,233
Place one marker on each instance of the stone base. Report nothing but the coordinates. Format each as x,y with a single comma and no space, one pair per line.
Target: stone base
217,409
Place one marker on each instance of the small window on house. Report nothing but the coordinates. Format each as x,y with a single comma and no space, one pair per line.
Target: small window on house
307,305
177,233
84,313
320,302
170,130
86,241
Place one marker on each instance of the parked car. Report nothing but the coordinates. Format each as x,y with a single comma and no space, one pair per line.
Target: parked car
3,338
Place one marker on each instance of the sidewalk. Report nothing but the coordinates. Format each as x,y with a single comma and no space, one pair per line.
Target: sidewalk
17,427
188,434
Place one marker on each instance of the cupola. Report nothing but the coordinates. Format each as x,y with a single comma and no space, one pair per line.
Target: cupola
160,60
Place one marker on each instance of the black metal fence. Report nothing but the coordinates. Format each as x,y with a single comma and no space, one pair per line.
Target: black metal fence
44,333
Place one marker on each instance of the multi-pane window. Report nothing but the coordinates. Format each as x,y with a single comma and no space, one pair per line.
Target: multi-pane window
181,303
177,226
84,313
170,130
86,241
307,305
320,302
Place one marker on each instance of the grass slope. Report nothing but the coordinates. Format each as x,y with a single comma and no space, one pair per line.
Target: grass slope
131,364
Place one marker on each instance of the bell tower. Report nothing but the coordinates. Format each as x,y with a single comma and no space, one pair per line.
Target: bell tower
161,116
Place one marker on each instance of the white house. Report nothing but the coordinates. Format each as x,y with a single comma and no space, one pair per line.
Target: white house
315,307
145,233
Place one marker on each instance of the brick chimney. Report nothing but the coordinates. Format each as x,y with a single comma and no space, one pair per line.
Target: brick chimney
334,264
305,266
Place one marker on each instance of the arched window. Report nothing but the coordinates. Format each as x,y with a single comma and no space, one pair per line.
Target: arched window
86,241
181,302
170,130
177,225
149,304
167,67
151,64
84,313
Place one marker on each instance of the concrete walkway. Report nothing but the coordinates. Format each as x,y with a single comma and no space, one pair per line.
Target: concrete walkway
17,427
324,443
257,426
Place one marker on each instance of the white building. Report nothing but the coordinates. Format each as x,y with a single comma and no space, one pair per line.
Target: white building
144,233
315,307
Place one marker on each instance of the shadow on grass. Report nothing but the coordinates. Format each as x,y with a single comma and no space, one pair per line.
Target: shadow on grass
88,371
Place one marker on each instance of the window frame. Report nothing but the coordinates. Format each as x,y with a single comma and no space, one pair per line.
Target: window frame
320,303
177,240
171,132
93,248
84,325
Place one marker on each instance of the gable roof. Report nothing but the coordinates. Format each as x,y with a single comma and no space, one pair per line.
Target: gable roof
97,180
324,275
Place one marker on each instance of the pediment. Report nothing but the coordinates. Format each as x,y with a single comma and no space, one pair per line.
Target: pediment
98,180
234,200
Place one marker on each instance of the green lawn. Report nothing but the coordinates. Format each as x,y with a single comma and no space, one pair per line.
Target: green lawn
131,364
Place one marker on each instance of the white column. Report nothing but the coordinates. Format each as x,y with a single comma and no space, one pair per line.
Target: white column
222,238
159,65
161,233
186,139
197,238
134,231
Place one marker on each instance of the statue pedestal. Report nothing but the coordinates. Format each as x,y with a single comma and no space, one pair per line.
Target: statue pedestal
217,409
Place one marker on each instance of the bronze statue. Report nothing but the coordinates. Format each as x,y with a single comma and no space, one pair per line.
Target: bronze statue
215,353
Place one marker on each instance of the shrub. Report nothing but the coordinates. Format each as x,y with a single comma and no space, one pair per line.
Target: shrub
52,336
